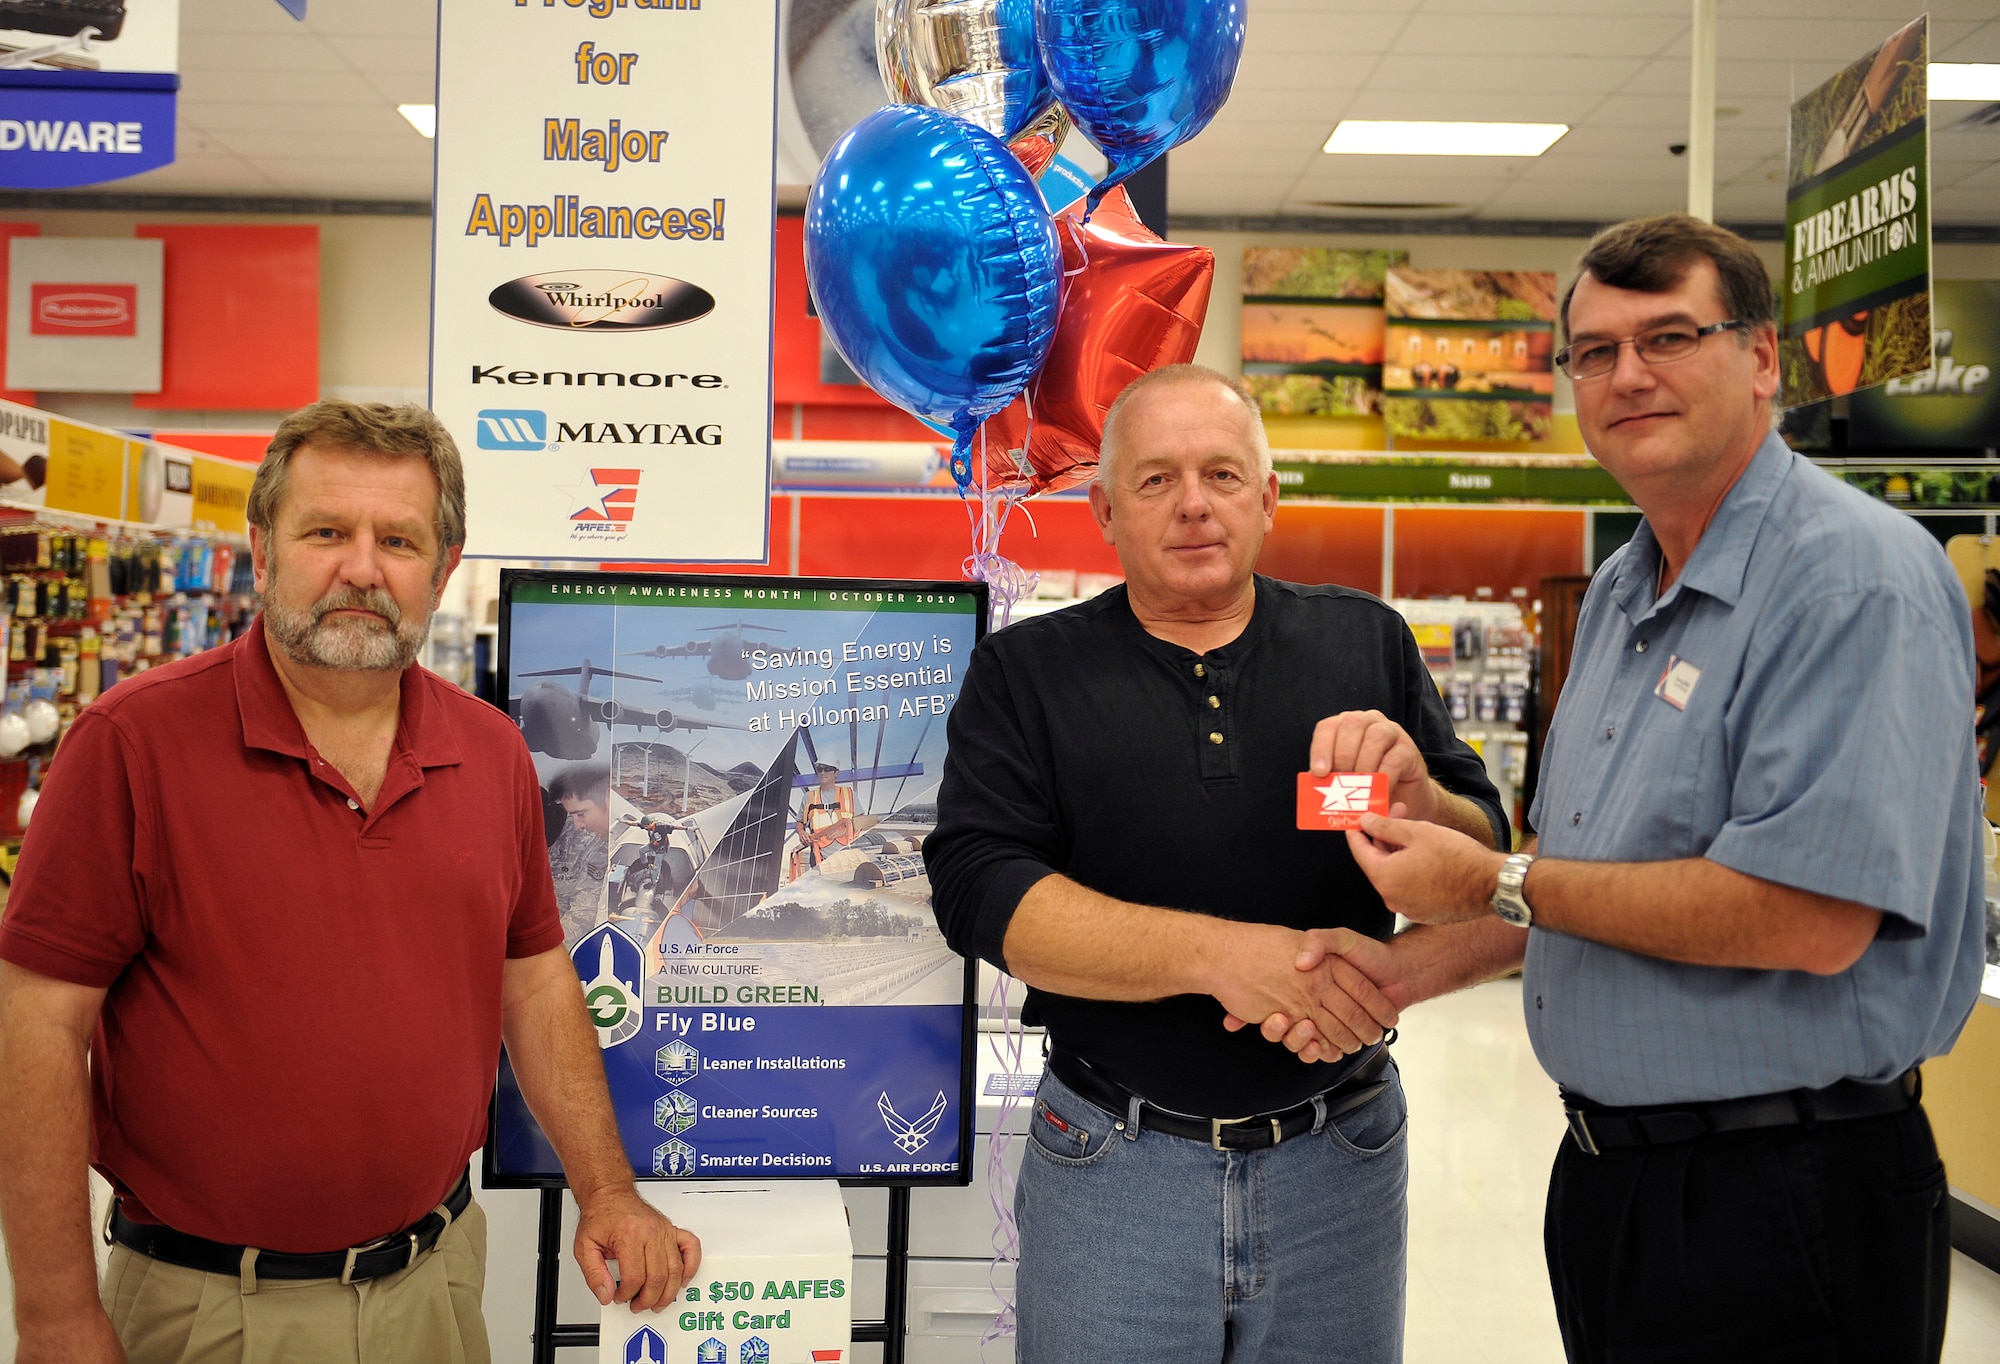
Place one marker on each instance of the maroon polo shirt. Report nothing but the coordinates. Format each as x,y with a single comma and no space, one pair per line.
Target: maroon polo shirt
303,1017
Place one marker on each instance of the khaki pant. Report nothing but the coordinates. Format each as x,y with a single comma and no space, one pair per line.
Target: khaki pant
427,1314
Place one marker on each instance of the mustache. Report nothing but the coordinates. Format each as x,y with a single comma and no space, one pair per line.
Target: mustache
355,599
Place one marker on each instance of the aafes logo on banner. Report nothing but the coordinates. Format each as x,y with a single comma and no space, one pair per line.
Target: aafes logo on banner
611,966
611,497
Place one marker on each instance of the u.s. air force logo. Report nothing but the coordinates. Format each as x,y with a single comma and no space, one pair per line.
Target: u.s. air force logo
611,967
911,1135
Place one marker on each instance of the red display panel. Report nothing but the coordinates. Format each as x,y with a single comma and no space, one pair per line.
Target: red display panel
1454,551
1322,544
245,447
241,318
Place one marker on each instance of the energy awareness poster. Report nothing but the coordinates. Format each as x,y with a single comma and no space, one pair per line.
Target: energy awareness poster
602,275
1856,284
737,779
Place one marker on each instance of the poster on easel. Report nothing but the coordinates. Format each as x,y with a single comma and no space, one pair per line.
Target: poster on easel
738,774
1855,293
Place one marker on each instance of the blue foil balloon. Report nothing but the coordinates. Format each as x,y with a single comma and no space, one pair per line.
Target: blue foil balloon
935,267
1140,77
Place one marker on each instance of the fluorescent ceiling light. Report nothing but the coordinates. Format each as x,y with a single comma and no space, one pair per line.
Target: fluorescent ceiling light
1965,80
1368,137
422,117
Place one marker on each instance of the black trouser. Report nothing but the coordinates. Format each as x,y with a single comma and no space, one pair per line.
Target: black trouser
1823,1243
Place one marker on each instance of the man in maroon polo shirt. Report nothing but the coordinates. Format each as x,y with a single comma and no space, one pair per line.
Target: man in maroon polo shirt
287,897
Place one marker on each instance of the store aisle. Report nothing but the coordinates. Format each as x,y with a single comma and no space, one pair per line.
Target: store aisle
1484,1123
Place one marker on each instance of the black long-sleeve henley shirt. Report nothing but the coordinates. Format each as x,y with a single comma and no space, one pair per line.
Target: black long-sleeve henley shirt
1083,745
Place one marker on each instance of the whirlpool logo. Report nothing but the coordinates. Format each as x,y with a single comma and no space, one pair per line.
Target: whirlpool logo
602,301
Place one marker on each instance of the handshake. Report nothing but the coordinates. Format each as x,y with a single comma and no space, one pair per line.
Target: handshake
1325,994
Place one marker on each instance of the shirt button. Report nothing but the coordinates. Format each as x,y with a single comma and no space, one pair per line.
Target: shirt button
1538,1001
1640,647
1576,818
1215,736
1200,671
1610,731
353,804
1215,703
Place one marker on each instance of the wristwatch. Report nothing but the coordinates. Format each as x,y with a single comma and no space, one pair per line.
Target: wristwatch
1508,900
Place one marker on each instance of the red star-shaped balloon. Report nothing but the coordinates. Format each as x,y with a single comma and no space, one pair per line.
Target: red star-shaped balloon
1131,303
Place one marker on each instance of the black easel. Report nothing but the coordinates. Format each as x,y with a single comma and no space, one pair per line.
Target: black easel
552,1335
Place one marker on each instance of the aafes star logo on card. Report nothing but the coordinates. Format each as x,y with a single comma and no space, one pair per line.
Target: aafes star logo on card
1339,800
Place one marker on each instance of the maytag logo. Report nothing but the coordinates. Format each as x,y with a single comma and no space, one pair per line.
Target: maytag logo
83,310
513,429
602,301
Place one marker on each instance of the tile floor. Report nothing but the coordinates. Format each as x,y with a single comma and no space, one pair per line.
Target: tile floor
1484,1123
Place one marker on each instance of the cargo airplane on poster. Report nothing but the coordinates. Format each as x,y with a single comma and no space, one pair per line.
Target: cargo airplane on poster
562,721
724,653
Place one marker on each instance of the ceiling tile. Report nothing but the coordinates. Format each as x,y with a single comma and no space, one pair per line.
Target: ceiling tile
1241,160
374,53
1284,106
276,87
295,51
1321,30
1662,170
1303,70
1476,75
297,145
1243,133
1539,36
378,118
405,18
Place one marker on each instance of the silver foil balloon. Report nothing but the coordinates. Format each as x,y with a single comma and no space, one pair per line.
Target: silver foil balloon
973,58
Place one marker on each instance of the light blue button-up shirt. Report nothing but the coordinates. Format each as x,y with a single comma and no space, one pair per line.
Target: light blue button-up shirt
1796,707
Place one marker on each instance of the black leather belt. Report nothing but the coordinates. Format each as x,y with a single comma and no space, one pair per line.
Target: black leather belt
1253,1133
1596,1128
390,1255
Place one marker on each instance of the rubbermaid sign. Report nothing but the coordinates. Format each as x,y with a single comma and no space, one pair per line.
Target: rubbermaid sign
83,310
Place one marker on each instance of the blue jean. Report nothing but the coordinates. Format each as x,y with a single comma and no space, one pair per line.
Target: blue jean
1137,1245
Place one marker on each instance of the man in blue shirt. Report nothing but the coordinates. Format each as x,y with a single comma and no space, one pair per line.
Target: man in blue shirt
1757,900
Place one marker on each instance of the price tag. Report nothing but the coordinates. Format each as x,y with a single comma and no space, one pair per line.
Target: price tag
1339,800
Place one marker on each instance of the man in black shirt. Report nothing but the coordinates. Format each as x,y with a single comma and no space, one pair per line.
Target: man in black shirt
1117,828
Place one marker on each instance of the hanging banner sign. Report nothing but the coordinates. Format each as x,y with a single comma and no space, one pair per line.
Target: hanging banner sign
1856,283
738,775
602,275
87,91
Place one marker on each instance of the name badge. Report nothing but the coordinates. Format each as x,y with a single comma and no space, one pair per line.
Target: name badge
1676,684
1338,801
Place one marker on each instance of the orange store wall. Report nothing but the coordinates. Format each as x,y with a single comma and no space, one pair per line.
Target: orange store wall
1454,551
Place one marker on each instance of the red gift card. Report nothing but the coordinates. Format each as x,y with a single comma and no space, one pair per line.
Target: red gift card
1338,801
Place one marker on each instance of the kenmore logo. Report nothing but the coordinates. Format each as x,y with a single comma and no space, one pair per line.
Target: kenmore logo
511,429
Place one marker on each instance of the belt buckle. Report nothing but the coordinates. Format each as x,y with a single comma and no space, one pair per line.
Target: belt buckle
354,1254
1215,1126
1579,1129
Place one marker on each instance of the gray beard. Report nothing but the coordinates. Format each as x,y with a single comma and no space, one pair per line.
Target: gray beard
347,645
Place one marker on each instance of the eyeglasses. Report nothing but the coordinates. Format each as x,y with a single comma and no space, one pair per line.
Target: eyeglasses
1661,346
